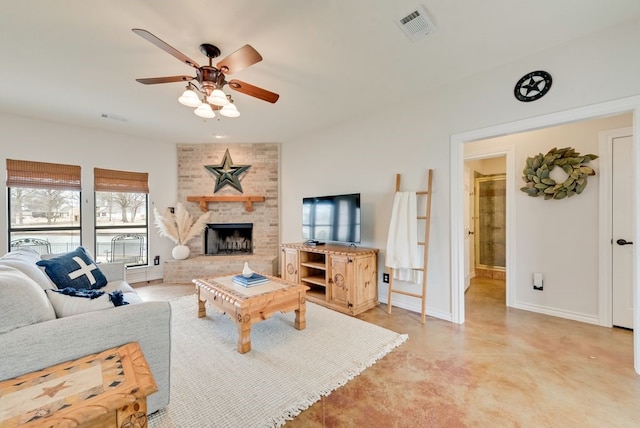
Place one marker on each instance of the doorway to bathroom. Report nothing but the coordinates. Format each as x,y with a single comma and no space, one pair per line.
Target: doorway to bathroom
486,223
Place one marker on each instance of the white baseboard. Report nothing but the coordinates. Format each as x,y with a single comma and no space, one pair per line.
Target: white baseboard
142,274
414,305
575,316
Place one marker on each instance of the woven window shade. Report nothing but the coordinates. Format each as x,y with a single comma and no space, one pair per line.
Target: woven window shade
108,180
42,175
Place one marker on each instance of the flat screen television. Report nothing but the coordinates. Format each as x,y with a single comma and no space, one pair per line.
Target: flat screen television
334,218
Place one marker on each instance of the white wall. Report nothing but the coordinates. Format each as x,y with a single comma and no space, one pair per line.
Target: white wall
565,234
556,237
36,140
488,166
364,155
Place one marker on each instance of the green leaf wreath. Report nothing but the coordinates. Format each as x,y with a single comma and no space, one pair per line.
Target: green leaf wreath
536,173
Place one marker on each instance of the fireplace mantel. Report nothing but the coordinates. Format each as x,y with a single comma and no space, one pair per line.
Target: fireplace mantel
204,200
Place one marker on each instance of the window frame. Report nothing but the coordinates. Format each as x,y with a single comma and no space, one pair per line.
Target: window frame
36,175
114,181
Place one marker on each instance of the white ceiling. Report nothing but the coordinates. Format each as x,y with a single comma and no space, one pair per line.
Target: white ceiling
71,61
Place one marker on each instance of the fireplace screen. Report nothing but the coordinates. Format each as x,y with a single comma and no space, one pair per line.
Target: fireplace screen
228,239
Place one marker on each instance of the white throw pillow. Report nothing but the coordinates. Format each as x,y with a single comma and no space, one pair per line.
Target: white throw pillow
131,298
128,293
22,301
24,259
66,306
118,285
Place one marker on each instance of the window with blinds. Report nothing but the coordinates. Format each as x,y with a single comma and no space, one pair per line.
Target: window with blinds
121,218
44,206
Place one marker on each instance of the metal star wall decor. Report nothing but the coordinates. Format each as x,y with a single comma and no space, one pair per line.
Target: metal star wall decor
533,86
227,173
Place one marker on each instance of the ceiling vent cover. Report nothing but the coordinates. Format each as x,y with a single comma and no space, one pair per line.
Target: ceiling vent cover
416,24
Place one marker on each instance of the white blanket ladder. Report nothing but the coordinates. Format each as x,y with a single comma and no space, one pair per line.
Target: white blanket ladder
427,219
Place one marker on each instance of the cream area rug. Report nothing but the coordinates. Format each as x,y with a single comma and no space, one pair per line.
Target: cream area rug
286,371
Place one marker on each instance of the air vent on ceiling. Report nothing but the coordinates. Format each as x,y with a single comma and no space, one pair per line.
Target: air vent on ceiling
113,117
416,24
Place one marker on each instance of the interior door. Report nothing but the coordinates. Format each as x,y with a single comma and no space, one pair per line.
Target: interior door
468,227
622,197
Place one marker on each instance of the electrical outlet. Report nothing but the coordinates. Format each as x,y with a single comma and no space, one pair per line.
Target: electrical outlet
385,278
538,281
156,260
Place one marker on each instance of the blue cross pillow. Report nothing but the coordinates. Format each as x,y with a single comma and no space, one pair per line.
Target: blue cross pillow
75,269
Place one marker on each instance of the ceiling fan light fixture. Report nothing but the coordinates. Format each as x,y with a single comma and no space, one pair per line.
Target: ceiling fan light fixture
204,90
205,111
189,98
230,110
218,98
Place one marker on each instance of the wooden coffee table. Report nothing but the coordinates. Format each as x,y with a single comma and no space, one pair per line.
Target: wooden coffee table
249,305
107,389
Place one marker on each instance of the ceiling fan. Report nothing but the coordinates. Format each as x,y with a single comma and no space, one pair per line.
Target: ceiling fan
210,79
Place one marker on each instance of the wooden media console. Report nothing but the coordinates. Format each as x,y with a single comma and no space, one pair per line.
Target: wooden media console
339,277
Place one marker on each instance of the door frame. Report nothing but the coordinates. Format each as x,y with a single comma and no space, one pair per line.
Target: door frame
457,141
492,152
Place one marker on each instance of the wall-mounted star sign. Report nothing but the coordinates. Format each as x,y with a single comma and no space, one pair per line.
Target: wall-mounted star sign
227,173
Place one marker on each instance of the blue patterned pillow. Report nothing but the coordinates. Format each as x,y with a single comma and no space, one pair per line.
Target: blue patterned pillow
75,269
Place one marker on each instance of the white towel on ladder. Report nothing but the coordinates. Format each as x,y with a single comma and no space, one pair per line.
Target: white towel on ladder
403,254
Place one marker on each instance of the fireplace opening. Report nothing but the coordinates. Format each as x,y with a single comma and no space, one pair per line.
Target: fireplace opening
228,239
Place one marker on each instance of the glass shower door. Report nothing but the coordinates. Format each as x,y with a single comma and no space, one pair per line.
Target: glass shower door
490,222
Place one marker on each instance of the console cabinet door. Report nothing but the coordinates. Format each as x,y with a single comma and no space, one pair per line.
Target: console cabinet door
340,280
366,276
289,269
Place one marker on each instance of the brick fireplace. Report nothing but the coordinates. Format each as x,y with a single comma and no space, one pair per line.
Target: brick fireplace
209,251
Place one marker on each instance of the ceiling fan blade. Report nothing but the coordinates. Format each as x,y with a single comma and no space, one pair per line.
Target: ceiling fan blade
165,47
168,79
239,60
253,91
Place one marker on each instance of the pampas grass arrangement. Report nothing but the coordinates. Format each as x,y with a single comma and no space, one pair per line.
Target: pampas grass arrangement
179,226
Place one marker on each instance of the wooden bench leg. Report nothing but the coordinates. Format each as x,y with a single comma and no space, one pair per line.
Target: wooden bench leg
202,311
244,332
301,313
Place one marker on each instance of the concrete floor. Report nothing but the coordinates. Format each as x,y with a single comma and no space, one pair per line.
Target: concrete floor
503,368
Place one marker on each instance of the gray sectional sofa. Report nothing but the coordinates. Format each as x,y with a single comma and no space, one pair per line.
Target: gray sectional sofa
41,328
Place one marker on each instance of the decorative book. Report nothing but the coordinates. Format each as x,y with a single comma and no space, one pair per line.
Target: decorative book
254,279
